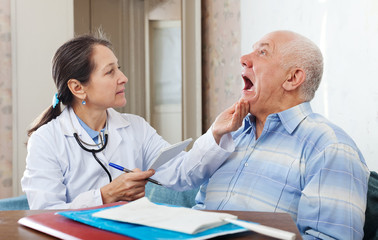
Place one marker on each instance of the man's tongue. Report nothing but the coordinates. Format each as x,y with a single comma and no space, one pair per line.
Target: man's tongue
248,85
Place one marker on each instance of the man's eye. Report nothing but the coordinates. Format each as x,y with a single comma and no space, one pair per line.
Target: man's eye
110,72
263,52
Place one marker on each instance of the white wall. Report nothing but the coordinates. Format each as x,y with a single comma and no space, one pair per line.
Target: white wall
347,33
39,27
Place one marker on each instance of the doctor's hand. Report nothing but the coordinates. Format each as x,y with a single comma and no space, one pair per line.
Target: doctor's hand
230,119
126,187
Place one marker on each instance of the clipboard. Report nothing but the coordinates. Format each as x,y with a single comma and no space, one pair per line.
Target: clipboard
168,153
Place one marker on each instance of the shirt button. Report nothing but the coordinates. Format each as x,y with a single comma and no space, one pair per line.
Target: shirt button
246,164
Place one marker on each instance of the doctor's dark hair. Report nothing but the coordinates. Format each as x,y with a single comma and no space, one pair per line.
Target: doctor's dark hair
73,60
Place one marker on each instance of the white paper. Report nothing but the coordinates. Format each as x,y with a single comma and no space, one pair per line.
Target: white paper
169,153
178,219
265,230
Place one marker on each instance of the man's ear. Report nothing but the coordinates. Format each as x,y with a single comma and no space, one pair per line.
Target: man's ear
294,79
76,88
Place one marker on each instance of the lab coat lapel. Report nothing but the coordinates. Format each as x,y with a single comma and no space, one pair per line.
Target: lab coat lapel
70,124
116,123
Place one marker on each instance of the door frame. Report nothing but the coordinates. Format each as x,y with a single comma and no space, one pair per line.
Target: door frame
191,68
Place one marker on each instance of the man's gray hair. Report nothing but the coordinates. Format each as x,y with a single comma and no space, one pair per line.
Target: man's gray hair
303,53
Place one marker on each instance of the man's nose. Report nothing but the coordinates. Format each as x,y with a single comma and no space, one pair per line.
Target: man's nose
245,61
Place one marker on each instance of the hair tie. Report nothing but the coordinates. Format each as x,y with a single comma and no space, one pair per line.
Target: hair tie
55,100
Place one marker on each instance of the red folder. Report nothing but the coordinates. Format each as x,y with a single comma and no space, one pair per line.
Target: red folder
64,228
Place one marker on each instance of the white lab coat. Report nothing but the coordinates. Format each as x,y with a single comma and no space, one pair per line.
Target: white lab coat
59,174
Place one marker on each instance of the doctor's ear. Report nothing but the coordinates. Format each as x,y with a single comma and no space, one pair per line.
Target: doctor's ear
294,79
76,88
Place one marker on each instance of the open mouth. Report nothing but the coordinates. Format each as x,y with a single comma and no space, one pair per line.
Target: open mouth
248,84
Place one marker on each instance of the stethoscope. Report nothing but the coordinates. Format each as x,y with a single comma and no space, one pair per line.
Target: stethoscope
103,142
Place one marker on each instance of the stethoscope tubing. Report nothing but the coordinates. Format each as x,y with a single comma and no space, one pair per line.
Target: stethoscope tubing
94,151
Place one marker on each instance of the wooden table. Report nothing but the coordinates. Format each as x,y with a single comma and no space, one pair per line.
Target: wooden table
10,229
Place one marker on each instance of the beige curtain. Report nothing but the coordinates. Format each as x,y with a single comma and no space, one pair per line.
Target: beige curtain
221,44
5,101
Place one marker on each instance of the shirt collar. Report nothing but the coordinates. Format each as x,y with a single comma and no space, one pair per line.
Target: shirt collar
92,133
248,120
290,118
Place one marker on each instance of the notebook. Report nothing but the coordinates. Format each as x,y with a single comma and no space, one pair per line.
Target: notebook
144,232
179,219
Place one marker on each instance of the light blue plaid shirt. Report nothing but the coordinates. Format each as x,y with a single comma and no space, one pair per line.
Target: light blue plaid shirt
301,164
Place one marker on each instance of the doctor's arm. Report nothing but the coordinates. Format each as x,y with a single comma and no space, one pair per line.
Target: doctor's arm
131,186
191,169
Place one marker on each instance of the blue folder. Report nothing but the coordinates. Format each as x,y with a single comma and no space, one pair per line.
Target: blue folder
144,232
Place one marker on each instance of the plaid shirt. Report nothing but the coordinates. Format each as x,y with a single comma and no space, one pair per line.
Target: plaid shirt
301,164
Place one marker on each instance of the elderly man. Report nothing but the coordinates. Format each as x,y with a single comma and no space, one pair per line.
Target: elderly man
287,158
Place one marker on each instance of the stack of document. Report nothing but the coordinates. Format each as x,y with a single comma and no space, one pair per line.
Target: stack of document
178,219
144,220
146,232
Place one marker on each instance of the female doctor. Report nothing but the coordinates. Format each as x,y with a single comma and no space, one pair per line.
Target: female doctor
69,151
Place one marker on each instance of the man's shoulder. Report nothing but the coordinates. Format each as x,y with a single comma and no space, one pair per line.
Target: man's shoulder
323,132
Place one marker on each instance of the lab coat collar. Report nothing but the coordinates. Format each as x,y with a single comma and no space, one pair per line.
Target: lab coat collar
116,119
69,123
115,122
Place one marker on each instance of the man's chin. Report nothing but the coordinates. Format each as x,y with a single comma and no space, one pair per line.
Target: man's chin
248,96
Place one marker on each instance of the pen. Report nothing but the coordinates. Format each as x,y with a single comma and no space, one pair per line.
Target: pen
128,171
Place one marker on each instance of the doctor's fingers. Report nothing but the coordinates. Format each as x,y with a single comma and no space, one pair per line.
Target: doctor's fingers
133,194
128,181
137,174
124,189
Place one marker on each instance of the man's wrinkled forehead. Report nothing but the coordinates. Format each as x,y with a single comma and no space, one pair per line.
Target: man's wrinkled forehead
265,43
261,44
273,41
